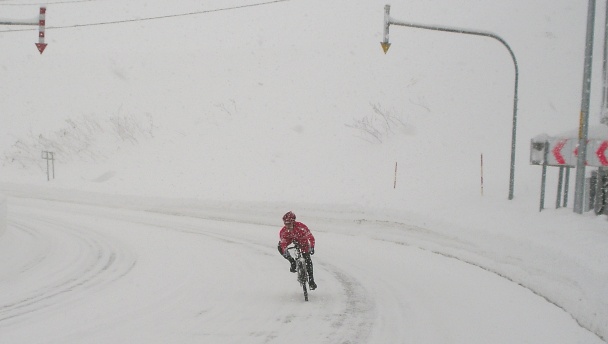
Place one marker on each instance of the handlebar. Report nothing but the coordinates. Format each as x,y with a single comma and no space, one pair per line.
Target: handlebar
296,248
294,245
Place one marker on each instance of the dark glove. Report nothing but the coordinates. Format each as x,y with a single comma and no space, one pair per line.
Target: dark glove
312,251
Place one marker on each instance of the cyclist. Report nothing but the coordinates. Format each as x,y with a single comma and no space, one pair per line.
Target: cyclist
297,232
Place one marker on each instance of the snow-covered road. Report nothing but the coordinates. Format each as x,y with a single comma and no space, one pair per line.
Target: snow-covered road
77,273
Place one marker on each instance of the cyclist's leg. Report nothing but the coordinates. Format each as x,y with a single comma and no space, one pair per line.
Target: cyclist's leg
292,261
309,269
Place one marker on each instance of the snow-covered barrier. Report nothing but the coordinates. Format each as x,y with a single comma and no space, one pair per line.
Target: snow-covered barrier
2,214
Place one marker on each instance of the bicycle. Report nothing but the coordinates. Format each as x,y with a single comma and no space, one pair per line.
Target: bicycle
302,274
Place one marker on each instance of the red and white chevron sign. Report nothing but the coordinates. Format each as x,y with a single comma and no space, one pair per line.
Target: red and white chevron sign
564,152
557,153
597,151
561,152
601,153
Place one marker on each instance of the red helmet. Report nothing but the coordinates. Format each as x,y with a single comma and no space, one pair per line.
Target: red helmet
289,217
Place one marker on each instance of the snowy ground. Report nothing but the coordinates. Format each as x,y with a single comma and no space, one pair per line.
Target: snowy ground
183,131
98,271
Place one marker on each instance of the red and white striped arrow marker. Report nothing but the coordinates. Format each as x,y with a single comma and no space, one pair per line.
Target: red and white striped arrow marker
41,23
557,152
601,153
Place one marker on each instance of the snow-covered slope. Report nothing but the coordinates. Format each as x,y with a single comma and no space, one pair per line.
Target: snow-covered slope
293,104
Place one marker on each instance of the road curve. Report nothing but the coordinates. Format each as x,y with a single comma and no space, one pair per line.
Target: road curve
92,274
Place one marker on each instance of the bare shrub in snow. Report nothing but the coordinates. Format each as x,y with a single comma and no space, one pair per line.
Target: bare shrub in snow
378,125
82,139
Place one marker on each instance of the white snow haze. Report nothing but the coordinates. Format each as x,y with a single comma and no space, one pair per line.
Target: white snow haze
180,132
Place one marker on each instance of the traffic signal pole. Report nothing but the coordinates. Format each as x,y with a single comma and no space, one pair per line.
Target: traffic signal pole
579,190
388,21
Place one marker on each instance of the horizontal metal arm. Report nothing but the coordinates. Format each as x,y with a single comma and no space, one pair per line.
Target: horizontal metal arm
456,30
15,23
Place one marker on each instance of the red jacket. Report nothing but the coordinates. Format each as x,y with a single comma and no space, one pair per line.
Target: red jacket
299,233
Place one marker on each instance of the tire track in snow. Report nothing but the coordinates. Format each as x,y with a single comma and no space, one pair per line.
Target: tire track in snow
350,326
354,324
82,261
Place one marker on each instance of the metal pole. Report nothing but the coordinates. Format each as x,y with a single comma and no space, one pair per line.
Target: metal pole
604,110
559,187
482,174
543,179
45,155
566,186
579,190
385,45
395,180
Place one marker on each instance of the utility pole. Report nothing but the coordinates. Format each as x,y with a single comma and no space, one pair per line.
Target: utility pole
579,191
604,109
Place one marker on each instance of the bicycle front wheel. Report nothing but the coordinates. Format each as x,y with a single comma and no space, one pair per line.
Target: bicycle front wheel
303,278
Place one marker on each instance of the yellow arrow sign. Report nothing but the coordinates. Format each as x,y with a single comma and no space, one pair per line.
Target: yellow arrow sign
385,46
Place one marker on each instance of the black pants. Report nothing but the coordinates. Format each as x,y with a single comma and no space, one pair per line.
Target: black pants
307,259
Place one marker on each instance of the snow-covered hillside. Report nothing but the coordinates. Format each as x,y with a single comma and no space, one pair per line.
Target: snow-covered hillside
292,105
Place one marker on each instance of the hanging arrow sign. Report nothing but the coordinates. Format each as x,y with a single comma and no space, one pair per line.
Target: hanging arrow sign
385,46
41,25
